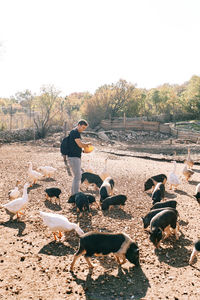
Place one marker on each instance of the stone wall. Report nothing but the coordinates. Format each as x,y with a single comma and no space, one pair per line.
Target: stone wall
16,135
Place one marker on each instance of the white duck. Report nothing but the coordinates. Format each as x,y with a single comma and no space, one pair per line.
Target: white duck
105,174
34,176
15,206
59,223
47,171
14,193
173,178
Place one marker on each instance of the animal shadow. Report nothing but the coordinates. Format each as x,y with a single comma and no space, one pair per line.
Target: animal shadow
52,206
194,267
149,194
177,255
48,179
94,211
35,186
183,223
196,170
117,213
107,262
193,182
180,192
170,195
56,249
133,279
85,221
15,224
89,191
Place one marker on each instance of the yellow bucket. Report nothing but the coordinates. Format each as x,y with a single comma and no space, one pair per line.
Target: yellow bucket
88,149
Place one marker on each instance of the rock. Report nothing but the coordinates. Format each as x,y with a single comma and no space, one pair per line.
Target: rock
103,136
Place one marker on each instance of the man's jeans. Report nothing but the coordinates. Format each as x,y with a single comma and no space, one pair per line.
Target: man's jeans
75,164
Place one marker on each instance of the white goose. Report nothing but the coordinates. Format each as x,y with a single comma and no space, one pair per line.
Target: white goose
59,223
15,206
105,174
34,176
173,178
14,193
47,171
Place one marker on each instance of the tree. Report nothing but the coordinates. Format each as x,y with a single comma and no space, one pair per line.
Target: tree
48,106
109,101
135,105
25,99
192,96
121,94
96,108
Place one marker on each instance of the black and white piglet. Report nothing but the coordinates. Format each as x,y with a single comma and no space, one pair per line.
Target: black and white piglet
150,183
147,219
99,243
169,203
113,200
106,188
197,193
53,192
158,192
160,223
195,251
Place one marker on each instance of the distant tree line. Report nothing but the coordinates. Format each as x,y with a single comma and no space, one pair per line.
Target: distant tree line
178,102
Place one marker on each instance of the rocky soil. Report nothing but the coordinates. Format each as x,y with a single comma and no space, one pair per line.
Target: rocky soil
34,266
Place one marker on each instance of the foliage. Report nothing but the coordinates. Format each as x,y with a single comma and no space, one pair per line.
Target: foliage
191,96
96,109
109,101
177,102
135,105
47,105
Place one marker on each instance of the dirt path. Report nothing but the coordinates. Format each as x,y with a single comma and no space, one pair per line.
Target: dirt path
33,266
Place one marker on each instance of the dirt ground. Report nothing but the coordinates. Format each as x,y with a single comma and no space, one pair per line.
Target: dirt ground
34,266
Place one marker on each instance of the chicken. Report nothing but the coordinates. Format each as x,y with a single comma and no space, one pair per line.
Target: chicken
189,161
187,173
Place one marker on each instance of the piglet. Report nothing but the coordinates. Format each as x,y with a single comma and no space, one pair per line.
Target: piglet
169,203
158,193
147,219
195,251
197,193
161,223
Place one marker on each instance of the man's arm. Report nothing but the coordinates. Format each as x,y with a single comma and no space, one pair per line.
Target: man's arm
81,144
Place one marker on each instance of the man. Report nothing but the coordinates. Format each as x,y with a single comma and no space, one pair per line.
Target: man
75,150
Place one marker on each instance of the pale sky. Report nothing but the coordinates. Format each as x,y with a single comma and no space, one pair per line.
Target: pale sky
80,45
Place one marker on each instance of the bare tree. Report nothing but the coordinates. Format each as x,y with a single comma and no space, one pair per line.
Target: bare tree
46,105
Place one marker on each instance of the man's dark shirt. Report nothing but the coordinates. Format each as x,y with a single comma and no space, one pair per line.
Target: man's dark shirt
74,149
